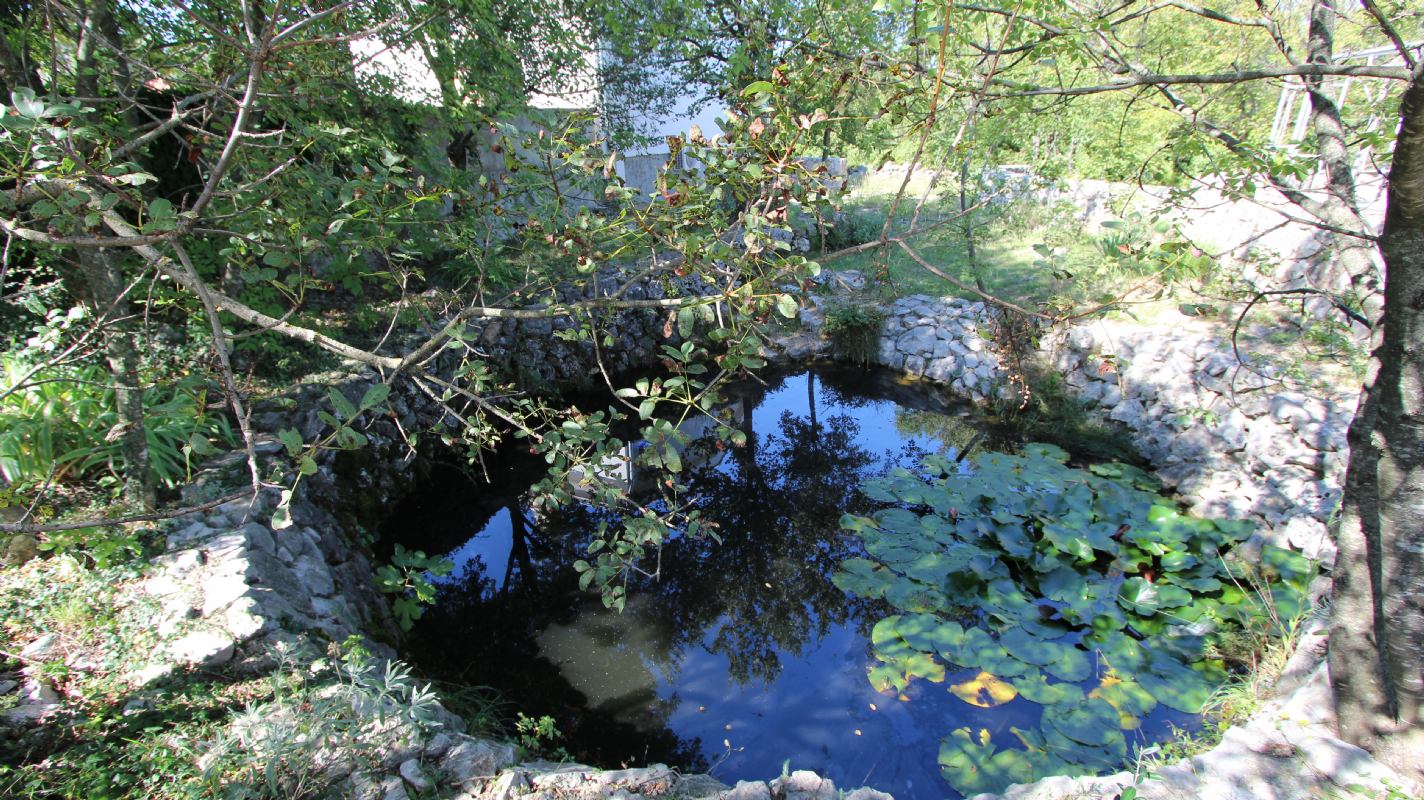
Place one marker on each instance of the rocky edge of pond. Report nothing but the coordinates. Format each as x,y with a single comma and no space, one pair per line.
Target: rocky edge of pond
236,593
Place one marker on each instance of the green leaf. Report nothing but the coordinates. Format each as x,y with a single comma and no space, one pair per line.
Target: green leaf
1031,649
25,102
375,395
758,87
786,306
341,404
1035,688
1091,721
290,439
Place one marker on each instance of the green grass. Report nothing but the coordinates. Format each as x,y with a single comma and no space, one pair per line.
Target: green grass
1005,263
1005,238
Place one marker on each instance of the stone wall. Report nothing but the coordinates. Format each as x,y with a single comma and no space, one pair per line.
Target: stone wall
1228,436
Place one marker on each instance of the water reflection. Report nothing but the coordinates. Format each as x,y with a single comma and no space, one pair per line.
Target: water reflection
741,654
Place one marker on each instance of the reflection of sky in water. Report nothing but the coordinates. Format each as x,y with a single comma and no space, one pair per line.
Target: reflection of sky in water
818,711
491,547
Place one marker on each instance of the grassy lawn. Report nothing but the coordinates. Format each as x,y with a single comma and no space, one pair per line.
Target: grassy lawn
1004,238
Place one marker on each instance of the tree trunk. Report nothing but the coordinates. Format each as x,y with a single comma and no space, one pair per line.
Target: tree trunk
1377,641
103,290
967,221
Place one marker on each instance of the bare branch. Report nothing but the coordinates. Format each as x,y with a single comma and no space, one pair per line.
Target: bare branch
1390,31
1203,79
11,527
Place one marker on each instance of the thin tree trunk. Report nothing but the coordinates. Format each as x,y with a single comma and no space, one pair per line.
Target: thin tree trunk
103,289
101,280
968,219
1377,641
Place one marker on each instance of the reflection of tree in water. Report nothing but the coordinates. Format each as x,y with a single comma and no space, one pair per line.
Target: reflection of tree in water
552,649
956,433
778,510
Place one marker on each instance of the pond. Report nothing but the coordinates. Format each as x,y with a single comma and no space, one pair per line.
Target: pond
803,640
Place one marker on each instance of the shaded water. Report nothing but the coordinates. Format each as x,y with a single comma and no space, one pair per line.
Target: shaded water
742,657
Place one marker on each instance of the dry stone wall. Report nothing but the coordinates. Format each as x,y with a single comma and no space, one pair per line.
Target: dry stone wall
233,591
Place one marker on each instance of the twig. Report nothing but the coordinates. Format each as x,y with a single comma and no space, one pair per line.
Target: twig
109,521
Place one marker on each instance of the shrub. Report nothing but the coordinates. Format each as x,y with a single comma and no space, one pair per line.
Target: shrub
56,424
854,329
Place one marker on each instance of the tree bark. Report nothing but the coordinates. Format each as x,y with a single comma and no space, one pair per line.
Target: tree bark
102,288
1377,641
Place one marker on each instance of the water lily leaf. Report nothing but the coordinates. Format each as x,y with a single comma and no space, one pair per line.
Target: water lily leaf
1092,721
1178,561
1128,697
1072,665
885,632
962,648
996,660
878,490
1031,649
1235,530
1200,585
1069,541
1013,539
1139,595
908,595
1044,450
922,665
897,520
863,578
967,763
1169,596
1292,568
928,633
1035,688
984,690
884,677
1003,599
1064,584
1175,685
1095,758
931,568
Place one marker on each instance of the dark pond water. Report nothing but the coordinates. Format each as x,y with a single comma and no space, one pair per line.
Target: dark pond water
742,658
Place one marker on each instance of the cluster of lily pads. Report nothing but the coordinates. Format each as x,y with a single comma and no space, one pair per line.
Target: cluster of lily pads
1082,590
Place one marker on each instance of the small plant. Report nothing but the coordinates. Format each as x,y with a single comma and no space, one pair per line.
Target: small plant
347,705
408,578
854,329
539,736
60,423
1191,416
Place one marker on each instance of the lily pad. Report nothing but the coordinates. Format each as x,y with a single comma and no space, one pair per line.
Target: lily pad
1031,649
1072,665
1176,686
1131,701
928,633
984,690
1035,688
1091,721
967,762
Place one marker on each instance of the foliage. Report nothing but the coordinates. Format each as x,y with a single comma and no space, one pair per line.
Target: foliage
854,329
540,737
1021,569
348,704
58,424
408,578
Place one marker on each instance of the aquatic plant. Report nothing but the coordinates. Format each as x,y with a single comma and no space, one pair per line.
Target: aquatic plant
1081,590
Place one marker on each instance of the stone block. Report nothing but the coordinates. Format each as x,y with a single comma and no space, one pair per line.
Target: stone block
472,758
203,648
